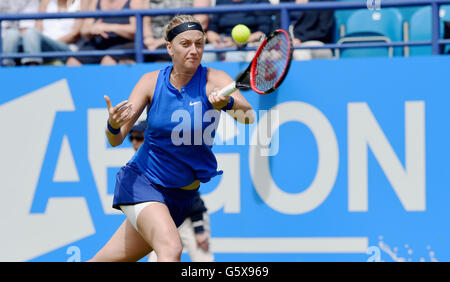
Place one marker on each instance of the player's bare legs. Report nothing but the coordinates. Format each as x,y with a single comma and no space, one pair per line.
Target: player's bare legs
124,246
157,227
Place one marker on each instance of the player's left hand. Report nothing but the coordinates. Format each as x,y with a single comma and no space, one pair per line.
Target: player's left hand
218,101
120,114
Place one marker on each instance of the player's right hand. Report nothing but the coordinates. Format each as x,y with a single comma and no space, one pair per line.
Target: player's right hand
218,101
120,114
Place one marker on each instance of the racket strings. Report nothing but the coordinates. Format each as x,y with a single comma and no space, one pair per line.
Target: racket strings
271,62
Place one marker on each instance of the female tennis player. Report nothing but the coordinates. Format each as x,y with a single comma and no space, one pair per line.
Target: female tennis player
156,187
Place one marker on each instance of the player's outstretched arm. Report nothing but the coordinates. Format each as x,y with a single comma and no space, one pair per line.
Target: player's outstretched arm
125,114
241,111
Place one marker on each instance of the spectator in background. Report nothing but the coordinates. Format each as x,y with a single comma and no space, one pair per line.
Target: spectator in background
154,26
220,26
57,34
312,28
136,134
116,33
12,31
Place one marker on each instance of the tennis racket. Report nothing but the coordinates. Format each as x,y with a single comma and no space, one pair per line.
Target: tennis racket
268,67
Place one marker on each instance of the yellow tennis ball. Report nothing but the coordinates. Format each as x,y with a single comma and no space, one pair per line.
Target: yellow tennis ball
240,33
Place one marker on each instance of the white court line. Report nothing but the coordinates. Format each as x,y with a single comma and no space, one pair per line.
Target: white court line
290,245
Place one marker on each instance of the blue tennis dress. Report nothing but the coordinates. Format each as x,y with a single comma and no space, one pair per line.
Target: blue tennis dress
177,148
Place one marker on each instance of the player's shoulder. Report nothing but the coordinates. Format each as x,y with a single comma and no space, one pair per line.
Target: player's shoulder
149,79
212,73
217,77
151,76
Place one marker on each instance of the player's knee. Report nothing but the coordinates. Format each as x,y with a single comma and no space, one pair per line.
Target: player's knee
171,251
174,250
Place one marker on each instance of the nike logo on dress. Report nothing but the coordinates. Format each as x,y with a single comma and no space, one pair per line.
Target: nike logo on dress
191,104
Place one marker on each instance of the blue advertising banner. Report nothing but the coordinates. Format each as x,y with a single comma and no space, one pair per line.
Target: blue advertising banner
347,161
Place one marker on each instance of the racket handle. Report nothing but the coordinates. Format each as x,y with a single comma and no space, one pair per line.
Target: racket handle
227,90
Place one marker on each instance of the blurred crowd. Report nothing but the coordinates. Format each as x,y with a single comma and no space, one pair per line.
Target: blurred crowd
308,28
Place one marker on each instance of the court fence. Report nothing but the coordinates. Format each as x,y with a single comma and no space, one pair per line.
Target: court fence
282,9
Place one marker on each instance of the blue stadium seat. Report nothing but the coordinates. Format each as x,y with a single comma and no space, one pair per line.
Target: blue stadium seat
408,12
420,28
343,15
365,25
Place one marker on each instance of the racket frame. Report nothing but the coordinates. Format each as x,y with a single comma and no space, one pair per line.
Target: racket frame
251,71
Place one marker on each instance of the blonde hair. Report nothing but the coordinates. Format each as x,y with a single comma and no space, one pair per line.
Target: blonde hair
177,20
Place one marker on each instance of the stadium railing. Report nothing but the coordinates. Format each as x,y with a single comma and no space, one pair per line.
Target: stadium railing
283,9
